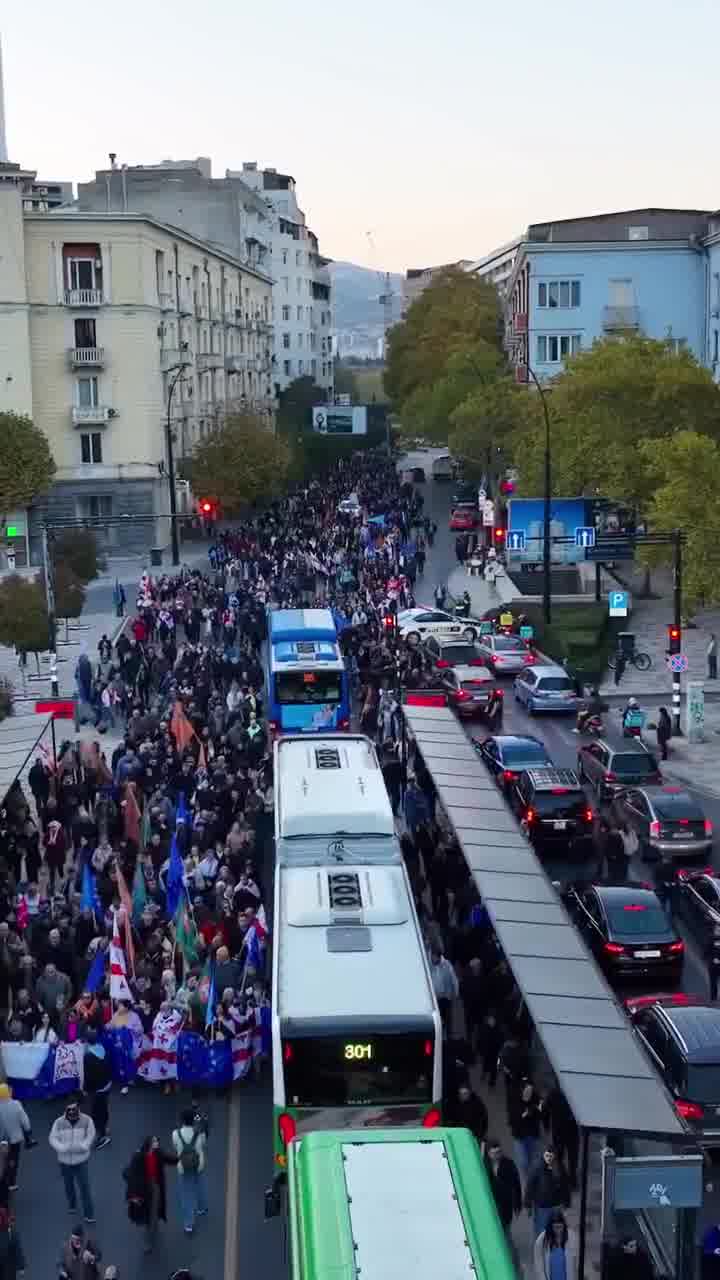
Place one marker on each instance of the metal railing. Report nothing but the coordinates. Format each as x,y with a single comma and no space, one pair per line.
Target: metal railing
84,297
87,355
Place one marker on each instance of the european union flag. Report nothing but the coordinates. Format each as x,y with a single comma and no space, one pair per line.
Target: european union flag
210,1010
89,898
254,955
174,879
97,971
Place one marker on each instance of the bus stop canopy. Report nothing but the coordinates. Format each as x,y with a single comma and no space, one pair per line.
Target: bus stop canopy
600,1067
19,735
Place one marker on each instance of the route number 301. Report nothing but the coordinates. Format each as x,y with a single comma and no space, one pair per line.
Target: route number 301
358,1052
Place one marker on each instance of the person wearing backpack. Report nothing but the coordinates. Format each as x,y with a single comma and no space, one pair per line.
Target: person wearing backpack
189,1146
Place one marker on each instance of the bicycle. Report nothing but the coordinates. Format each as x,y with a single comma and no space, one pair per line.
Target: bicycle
641,661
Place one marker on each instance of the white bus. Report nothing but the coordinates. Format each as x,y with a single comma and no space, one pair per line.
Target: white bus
356,1033
331,804
443,467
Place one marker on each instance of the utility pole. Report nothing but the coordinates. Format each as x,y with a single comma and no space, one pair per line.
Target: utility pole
49,574
677,607
174,535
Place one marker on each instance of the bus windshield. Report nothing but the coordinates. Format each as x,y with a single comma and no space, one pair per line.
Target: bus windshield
358,1070
303,688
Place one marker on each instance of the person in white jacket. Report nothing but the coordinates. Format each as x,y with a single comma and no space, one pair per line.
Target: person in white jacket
15,1129
71,1138
445,983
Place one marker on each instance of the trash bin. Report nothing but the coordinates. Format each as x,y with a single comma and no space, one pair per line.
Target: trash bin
156,557
626,643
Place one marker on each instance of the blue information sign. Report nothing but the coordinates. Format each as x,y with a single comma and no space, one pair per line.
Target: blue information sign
585,536
671,1182
515,540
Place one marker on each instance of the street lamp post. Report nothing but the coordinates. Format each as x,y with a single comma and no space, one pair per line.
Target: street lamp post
547,598
174,537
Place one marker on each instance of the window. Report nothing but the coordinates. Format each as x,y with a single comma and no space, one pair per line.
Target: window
286,284
637,233
95,508
81,273
559,293
287,368
284,257
300,338
677,345
86,390
621,293
298,283
299,315
313,367
91,447
716,337
85,334
301,367
286,313
552,347
298,257
286,341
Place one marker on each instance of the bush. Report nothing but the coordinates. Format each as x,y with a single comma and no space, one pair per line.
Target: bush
6,698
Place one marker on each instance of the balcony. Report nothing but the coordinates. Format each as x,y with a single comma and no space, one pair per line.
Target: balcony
234,364
167,301
618,319
84,298
91,415
520,322
207,360
87,357
173,358
187,306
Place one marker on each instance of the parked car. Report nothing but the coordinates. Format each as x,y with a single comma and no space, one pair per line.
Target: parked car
681,1036
506,755
469,690
441,653
506,655
611,766
667,820
554,810
696,897
418,475
628,930
546,688
464,518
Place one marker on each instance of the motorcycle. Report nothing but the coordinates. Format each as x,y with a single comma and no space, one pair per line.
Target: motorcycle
592,725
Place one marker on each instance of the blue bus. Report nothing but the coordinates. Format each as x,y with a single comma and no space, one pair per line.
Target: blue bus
308,690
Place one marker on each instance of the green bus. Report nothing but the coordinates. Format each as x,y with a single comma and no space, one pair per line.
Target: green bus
363,1205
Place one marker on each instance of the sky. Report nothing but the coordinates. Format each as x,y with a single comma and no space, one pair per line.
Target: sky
440,129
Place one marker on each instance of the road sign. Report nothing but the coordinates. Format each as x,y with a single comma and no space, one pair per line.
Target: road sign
515,540
585,536
486,628
488,510
618,604
678,662
482,495
527,633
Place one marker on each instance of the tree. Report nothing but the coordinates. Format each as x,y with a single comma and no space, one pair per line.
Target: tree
483,423
455,313
77,550
295,406
606,401
344,381
684,470
240,462
26,463
23,615
427,412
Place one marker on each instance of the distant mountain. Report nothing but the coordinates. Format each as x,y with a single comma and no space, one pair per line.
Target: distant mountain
356,297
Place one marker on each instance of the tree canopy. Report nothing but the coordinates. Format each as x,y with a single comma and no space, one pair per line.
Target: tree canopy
23,615
456,313
77,550
239,463
26,463
684,470
295,405
603,405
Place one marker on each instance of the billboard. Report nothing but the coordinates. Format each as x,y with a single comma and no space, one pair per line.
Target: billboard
340,420
580,529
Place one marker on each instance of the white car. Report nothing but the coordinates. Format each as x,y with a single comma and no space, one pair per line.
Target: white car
413,624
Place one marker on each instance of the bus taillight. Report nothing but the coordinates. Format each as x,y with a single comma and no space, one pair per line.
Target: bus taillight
431,1120
288,1128
428,1049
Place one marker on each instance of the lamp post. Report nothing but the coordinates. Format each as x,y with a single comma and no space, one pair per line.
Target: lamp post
547,602
174,537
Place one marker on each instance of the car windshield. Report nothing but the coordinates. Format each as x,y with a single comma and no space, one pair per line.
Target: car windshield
555,684
637,763
457,654
703,1082
566,803
510,644
677,806
477,684
523,753
639,920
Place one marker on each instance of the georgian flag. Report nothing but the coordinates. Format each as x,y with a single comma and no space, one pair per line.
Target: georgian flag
119,989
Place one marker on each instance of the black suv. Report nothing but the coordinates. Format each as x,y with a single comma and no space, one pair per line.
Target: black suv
554,809
681,1036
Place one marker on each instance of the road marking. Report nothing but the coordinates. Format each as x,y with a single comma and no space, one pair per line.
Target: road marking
232,1189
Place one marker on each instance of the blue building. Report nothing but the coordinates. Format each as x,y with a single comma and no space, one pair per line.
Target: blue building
654,272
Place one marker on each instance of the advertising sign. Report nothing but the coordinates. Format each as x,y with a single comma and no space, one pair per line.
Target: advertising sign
650,1182
580,529
340,420
695,711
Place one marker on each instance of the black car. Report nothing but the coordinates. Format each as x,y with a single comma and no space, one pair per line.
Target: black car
681,1037
507,755
628,930
554,810
441,653
696,896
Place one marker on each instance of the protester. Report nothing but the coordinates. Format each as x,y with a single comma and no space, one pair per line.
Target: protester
547,1190
15,1129
79,1258
555,1251
504,1181
71,1138
189,1147
146,1193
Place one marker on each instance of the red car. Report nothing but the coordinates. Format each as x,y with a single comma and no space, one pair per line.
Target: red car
464,519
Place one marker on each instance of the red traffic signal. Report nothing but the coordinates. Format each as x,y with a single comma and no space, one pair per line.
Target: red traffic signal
206,506
389,621
674,638
499,535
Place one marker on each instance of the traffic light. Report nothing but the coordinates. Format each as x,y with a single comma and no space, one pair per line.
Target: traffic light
206,507
674,638
499,534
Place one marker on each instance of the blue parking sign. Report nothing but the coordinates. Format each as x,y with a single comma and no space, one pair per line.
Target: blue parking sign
618,604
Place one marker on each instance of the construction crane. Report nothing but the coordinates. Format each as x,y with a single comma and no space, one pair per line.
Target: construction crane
387,297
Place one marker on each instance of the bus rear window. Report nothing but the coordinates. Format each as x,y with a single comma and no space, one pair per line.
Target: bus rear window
358,1070
293,688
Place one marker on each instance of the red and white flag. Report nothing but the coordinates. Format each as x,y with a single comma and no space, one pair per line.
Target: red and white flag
119,989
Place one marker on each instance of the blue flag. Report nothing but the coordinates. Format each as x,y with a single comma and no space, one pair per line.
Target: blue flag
97,972
210,1010
174,879
89,898
254,957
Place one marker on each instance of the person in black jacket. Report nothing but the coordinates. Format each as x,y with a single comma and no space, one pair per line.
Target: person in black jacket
547,1189
564,1130
98,1083
504,1181
627,1260
468,1111
145,1193
525,1118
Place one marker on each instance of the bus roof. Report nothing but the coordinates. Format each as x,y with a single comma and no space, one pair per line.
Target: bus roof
378,1203
301,624
330,786
348,947
289,655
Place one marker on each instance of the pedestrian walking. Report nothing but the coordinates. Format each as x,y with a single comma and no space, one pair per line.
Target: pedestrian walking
547,1191
445,984
711,654
190,1151
71,1138
504,1182
525,1119
468,1111
15,1129
620,665
98,1083
555,1251
79,1258
664,732
627,1260
564,1130
145,1192
12,1254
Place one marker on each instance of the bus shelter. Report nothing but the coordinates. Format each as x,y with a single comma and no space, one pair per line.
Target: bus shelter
606,1078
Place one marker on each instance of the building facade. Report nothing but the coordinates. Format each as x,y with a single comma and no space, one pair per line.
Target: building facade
108,322
302,297
417,280
497,267
575,281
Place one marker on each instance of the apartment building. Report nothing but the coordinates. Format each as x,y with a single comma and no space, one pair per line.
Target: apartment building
417,280
108,322
644,271
302,297
497,267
